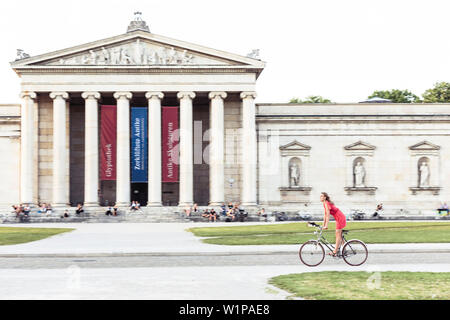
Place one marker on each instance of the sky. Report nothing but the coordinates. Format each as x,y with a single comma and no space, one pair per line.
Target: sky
342,50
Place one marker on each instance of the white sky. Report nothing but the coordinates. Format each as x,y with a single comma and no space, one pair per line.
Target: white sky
340,49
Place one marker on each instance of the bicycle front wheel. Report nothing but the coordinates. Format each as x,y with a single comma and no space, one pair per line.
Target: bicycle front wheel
311,253
355,252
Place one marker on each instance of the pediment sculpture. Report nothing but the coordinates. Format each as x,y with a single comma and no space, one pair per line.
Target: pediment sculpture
135,53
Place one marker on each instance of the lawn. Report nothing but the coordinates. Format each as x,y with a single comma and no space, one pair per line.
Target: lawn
12,235
336,285
299,232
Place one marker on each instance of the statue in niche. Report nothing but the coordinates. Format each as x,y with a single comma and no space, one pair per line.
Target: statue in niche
424,175
294,175
360,174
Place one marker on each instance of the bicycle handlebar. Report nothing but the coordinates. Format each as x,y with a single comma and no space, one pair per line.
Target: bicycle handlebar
313,224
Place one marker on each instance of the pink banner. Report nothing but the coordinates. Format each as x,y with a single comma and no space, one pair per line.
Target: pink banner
108,138
170,140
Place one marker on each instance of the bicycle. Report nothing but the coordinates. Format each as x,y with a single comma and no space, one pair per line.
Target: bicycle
312,252
357,214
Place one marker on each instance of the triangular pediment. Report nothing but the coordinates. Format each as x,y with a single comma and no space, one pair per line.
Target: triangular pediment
360,146
138,49
424,145
295,145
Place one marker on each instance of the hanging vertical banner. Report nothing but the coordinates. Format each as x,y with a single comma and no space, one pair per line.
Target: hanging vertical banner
170,147
108,140
139,143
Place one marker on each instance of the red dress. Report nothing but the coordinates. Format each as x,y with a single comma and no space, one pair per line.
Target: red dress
341,222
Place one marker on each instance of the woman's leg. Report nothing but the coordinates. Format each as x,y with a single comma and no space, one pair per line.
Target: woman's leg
338,240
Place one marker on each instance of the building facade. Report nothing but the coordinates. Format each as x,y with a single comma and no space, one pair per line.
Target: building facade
277,156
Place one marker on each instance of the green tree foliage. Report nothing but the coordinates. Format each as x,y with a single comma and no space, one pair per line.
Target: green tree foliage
439,94
396,96
310,99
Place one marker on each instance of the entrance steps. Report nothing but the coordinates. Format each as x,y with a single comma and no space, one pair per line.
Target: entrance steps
97,215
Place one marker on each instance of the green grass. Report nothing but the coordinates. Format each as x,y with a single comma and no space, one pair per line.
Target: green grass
334,285
294,233
10,235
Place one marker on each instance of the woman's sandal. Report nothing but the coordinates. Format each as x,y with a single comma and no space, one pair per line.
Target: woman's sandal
333,254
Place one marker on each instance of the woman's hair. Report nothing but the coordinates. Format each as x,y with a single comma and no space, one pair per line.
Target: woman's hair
327,197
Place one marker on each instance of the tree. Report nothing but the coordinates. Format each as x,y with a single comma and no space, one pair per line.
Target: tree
439,94
310,99
396,96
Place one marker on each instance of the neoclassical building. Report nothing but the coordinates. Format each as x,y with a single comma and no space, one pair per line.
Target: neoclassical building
168,123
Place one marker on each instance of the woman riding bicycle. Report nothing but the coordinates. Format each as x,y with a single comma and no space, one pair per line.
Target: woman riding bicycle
338,216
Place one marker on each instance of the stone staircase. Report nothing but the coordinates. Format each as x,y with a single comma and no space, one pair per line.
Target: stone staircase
97,215
94,215
162,215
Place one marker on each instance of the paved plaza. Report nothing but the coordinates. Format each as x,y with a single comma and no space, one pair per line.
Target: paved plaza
163,261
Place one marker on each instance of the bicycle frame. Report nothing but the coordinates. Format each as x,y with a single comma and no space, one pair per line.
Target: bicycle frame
325,242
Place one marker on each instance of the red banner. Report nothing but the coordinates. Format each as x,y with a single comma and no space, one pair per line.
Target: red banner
108,140
170,146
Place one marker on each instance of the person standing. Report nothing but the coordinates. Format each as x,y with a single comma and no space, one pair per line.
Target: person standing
341,222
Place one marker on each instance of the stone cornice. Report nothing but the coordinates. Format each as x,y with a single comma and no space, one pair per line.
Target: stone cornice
136,70
157,39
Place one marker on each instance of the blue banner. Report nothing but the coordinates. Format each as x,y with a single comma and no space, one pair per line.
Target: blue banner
139,134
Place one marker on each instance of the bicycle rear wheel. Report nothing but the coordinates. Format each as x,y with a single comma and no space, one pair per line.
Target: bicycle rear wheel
311,253
355,252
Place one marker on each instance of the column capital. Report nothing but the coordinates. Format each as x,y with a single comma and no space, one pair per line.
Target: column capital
154,94
29,94
91,95
186,94
217,94
123,95
61,94
248,95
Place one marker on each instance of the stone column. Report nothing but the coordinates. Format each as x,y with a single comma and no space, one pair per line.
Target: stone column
154,148
186,149
91,156
123,148
27,147
249,149
59,149
216,149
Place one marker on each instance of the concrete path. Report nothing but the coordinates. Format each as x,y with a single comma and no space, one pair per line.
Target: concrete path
159,238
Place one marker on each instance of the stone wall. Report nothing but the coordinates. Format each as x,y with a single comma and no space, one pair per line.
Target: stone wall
329,138
77,119
10,149
45,148
201,164
233,152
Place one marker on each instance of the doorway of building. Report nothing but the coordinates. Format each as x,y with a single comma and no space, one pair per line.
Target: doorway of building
139,193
